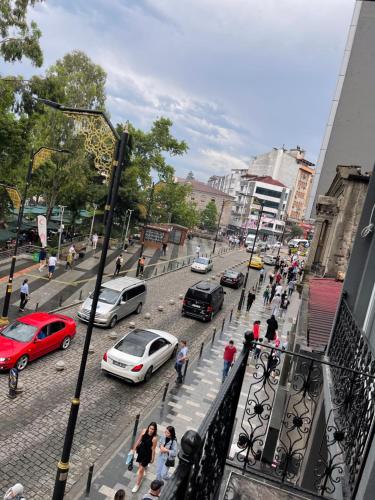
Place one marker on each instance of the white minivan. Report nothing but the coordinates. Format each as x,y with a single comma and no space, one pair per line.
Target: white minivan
250,240
118,298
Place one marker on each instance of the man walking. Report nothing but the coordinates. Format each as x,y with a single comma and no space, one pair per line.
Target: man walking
197,251
250,299
276,305
24,294
261,277
155,489
94,241
229,358
52,261
181,358
291,286
141,265
119,262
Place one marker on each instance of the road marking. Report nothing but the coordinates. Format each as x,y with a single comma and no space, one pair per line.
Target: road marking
107,491
184,417
192,403
175,405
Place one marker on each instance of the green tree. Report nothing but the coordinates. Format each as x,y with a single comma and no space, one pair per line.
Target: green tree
190,176
295,231
209,216
171,204
19,37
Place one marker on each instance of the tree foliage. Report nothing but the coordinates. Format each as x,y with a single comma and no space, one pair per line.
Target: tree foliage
190,176
171,204
295,231
209,216
18,37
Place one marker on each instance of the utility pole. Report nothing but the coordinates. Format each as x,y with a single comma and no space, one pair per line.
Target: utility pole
218,225
92,222
127,226
62,208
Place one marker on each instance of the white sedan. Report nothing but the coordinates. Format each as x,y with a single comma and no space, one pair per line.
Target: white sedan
202,265
140,353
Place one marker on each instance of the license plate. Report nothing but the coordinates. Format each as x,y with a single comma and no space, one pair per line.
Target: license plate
117,363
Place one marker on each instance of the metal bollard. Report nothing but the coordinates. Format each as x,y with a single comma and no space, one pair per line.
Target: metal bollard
183,263
137,417
164,270
60,301
222,325
156,271
231,314
213,335
165,391
200,352
80,295
89,479
186,367
37,306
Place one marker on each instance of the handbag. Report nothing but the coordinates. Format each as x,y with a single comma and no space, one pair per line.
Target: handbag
170,462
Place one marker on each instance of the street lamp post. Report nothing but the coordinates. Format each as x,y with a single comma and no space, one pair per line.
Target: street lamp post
121,145
62,208
242,297
218,225
92,221
36,159
282,237
150,201
127,226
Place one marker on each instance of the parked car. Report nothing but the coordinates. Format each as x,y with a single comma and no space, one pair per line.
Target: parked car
232,278
118,298
203,300
269,260
139,354
295,243
262,246
202,265
33,336
256,262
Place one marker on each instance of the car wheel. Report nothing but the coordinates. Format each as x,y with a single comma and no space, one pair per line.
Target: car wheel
148,374
22,363
174,353
139,308
113,322
65,343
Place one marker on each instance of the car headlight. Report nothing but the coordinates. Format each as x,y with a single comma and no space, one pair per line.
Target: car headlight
4,359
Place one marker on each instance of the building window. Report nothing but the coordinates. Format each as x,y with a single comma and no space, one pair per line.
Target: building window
268,192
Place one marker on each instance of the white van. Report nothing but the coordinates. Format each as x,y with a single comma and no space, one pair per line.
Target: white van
295,243
118,298
250,240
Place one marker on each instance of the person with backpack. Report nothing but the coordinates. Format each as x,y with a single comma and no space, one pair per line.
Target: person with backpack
168,453
119,262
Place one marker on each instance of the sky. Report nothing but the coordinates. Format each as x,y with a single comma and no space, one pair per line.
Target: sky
236,77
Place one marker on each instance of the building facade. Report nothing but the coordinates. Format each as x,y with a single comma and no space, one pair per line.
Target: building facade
201,194
300,194
350,130
337,218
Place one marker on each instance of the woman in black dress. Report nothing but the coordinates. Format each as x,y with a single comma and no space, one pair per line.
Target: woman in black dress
145,447
272,326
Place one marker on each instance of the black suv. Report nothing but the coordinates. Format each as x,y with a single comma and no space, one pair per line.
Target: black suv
203,300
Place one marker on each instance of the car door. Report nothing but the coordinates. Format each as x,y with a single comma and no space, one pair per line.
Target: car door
210,264
123,306
56,332
158,352
135,296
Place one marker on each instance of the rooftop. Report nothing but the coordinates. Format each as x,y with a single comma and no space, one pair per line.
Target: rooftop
323,300
202,186
267,179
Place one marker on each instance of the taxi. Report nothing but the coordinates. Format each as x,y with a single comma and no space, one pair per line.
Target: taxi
256,262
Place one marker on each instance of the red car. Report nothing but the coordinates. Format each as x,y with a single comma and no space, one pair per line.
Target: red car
33,336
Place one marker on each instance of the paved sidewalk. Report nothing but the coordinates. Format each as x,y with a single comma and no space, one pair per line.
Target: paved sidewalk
185,405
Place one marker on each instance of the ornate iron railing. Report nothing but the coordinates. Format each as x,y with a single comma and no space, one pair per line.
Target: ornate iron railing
203,453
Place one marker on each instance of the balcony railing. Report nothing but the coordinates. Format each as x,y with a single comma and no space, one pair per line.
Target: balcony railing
290,432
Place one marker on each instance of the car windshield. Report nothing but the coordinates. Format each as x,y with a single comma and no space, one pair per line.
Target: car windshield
230,274
201,261
107,295
19,331
135,342
197,295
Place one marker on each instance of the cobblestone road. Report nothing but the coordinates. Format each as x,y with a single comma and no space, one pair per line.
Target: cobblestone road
32,426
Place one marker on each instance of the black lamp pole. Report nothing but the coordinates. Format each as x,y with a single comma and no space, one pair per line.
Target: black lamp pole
218,226
242,298
4,317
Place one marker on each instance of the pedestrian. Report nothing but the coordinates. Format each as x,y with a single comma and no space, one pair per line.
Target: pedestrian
229,358
168,453
256,333
141,265
266,295
284,303
261,277
119,495
273,291
94,241
145,447
165,249
271,278
291,286
52,261
118,264
42,259
278,278
69,261
15,493
250,299
272,326
155,489
279,289
276,301
24,294
197,251
73,251
181,358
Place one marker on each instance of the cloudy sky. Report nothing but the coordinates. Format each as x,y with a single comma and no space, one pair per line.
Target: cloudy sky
237,77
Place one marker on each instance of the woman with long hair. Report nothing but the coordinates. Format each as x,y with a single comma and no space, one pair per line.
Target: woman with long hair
145,447
168,453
